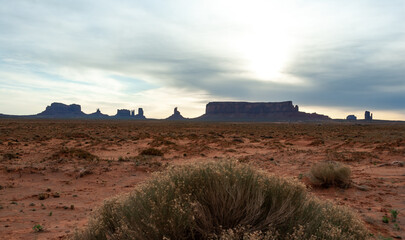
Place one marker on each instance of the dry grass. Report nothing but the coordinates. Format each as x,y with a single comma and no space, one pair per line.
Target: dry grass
330,173
225,200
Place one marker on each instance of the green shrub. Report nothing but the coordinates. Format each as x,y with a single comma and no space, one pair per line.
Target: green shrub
394,215
385,219
225,200
38,228
151,152
330,173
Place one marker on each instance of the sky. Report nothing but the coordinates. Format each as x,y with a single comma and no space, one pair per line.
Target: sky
331,57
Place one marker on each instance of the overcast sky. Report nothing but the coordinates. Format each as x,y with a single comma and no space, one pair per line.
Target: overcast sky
331,57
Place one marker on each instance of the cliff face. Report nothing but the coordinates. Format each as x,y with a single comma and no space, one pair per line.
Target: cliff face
261,111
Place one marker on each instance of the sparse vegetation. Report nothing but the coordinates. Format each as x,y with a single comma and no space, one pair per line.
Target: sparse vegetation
43,196
378,149
224,200
151,152
73,153
330,173
394,215
38,228
9,156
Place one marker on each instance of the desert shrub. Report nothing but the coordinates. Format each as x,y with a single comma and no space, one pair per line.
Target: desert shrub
9,156
225,200
151,152
330,173
74,153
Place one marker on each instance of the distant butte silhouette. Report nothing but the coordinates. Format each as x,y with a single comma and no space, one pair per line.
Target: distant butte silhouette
63,111
215,111
258,111
176,116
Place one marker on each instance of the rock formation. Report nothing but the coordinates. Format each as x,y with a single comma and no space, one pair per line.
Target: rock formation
129,114
351,118
368,116
215,111
140,114
176,116
98,115
60,110
123,113
257,111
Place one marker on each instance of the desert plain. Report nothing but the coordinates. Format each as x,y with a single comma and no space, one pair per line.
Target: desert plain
56,173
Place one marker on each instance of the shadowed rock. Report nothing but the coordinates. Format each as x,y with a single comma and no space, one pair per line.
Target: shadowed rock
368,116
123,113
98,114
176,116
60,110
127,114
140,114
351,118
260,111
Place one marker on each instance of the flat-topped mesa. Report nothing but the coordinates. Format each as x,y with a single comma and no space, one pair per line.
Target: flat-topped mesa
249,108
62,110
257,111
123,113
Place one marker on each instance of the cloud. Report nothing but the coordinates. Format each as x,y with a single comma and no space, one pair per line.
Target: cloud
340,54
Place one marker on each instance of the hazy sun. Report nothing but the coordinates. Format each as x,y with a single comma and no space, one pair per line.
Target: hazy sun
266,43
266,56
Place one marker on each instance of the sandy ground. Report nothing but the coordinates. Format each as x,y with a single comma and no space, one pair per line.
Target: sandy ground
56,173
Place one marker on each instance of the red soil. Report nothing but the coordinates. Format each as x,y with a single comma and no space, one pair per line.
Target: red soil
40,159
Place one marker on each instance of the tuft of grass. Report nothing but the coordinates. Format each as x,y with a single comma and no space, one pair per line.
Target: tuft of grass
225,200
151,152
330,173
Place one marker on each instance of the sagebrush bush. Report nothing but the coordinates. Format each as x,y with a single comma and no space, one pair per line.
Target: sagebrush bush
151,152
227,200
330,173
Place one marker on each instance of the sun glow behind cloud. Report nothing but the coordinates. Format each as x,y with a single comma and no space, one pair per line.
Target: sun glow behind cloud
264,42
